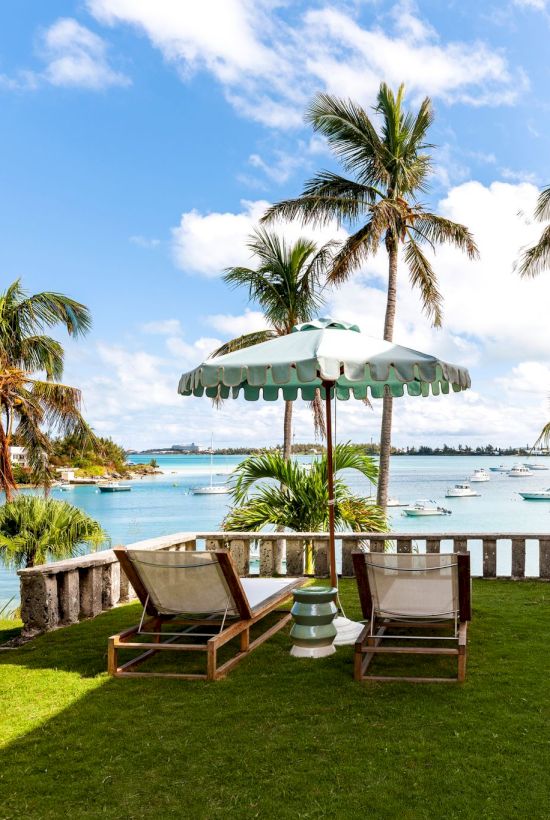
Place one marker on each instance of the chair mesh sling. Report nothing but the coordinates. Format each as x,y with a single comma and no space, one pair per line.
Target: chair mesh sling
195,602
402,596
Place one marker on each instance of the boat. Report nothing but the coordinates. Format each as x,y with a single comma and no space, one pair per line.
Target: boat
211,489
425,507
460,491
114,487
480,475
519,471
535,466
65,488
541,495
395,502
502,468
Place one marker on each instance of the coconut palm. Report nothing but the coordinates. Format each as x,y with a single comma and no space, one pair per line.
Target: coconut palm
34,530
536,259
287,285
389,167
30,405
269,490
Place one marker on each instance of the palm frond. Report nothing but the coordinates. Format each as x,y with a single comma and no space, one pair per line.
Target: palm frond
351,135
438,230
423,277
535,260
542,210
544,437
242,342
34,530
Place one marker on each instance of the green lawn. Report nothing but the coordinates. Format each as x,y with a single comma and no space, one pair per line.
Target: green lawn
281,737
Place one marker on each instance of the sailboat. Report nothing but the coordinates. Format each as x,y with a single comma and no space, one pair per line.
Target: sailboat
211,489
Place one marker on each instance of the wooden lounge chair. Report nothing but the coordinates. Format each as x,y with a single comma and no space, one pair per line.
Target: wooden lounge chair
409,592
203,604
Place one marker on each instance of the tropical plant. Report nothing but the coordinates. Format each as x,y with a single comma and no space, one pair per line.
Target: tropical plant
287,285
269,490
28,405
536,259
34,530
390,168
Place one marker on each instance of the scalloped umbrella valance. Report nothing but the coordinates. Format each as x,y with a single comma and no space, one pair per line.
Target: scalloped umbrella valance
333,357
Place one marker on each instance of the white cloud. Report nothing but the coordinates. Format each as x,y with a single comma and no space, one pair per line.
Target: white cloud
209,243
144,242
270,67
518,176
163,327
78,57
233,326
75,57
537,5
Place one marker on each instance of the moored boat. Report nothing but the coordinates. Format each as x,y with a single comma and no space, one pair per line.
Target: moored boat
535,466
519,471
480,475
211,489
395,502
502,468
425,507
541,495
114,487
460,491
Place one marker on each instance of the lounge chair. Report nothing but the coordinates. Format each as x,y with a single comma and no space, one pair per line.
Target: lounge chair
409,592
203,603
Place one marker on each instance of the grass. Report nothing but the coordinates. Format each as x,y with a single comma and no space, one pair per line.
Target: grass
282,737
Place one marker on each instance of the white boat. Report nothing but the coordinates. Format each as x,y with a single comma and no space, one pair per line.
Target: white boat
502,468
211,489
425,507
480,475
65,488
519,471
460,491
114,487
542,495
395,502
535,466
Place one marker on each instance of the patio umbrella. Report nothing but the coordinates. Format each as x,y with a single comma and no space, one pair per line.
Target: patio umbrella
333,357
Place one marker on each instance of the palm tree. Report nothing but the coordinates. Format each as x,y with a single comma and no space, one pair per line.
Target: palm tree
286,284
34,530
390,167
536,259
296,498
28,405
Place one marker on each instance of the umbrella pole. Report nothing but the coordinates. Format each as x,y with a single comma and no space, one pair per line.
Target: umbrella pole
330,476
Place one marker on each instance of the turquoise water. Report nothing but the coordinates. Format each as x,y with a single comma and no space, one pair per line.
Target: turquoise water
163,504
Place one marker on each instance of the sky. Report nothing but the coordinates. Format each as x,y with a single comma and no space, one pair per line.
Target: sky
142,140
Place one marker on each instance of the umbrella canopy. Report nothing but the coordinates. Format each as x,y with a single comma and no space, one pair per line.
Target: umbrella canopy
333,357
315,354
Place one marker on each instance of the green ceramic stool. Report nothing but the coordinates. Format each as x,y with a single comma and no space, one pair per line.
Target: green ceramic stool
313,632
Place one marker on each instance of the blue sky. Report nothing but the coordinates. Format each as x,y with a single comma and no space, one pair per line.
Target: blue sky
142,139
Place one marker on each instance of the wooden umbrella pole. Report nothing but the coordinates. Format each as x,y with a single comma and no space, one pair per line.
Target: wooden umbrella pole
330,475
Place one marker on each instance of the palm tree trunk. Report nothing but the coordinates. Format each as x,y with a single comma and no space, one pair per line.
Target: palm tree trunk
387,407
287,436
7,481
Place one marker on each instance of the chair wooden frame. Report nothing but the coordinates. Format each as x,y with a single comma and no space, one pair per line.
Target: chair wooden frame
228,629
369,642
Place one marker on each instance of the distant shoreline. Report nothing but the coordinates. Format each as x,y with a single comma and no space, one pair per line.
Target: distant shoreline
511,453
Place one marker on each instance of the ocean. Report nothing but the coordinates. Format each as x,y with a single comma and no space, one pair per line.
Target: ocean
163,504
